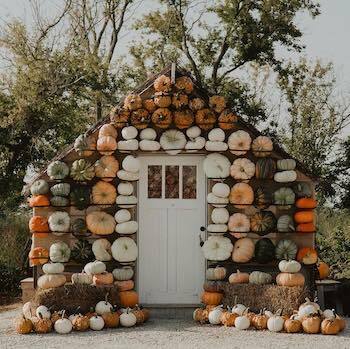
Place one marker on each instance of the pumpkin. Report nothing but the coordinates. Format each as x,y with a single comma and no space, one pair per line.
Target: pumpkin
307,203
228,319
263,222
149,105
38,224
307,255
216,135
147,145
217,273
129,145
306,228
162,117
197,144
80,197
239,223
205,119
85,145
107,130
264,250
275,323
162,84
126,227
82,251
78,227
286,164
289,266
217,228
220,216
221,190
127,176
215,146
214,315
57,170
217,248
262,198
51,281
285,176
106,167
132,102
243,250
140,118
323,270
122,216
292,325
41,325
183,118
302,189
341,322
95,267
179,100
330,326
241,195
227,120
125,285
196,104
304,217
123,274
81,323
101,248
96,323
126,201
128,298
218,103
200,315
286,249
60,189
124,250
100,223
103,193
216,201
211,298
39,201
262,146
129,132
259,278
131,164
311,324
53,268
284,197
285,224
39,187
59,221
23,325
81,278
119,118
259,321
172,141
216,166
184,84
82,170
193,132
38,256
59,252
290,279
212,286
239,142
265,168
242,169
59,201
106,145
242,322
102,279
308,307
140,315
148,134
128,319
238,278
111,319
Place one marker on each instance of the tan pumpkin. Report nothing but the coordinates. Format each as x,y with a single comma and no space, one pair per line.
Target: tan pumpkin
162,100
292,325
205,119
241,195
330,326
218,103
81,323
179,100
162,118
183,118
100,223
128,299
41,325
290,279
196,104
146,314
217,273
140,118
107,130
341,322
103,193
238,278
111,319
132,102
200,315
139,314
119,118
243,250
106,168
227,120
162,84
311,324
259,321
102,279
242,169
262,146
23,325
126,285
106,145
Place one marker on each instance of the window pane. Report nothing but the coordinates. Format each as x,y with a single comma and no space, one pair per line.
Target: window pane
189,180
155,182
171,182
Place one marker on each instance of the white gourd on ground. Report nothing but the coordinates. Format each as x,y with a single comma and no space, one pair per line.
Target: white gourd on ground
96,323
215,316
43,312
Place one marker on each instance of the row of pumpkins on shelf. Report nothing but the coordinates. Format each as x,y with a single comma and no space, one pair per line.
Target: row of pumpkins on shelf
221,248
308,319
104,315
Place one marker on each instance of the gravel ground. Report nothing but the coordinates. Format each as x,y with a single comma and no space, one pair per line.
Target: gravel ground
167,334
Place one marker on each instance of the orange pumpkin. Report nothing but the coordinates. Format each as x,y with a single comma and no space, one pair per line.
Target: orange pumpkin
146,314
140,316
162,117
306,228
179,100
38,224
106,145
307,255
111,319
323,270
149,105
119,118
103,279
39,201
162,100
212,298
128,299
306,203
104,193
37,235
100,223
106,168
304,217
162,84
38,256
185,84
183,118
290,279
107,130
126,285
205,119
227,120
140,118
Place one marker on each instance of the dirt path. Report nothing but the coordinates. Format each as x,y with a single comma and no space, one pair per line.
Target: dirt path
167,334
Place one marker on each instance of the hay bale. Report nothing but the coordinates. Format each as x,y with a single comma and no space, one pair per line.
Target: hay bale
271,297
71,297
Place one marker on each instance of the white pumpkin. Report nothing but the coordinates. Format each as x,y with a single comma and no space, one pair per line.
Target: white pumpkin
63,326
81,278
285,176
259,278
217,201
242,169
148,134
125,188
307,310
122,216
195,144
123,274
217,248
286,164
217,228
172,141
308,303
126,227
216,146
242,322
51,281
328,314
53,268
221,190
268,313
128,176
59,221
103,307
275,323
124,250
96,323
59,252
239,142
216,166
193,132
290,266
216,135
102,250
239,309
96,267
131,144
214,316
127,319
220,215
129,132
131,164
42,312
147,145
27,310
126,201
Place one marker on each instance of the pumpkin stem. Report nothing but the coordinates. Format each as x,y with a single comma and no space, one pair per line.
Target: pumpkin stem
63,312
235,300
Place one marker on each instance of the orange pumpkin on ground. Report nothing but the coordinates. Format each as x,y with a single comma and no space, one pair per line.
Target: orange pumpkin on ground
124,285
306,228
212,298
111,319
323,270
38,256
39,224
304,217
290,279
306,203
39,201
307,255
128,299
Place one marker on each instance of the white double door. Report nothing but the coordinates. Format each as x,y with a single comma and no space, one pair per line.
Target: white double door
172,209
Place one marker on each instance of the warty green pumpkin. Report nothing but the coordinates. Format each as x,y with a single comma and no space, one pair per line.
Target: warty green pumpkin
60,189
80,197
82,170
265,168
286,249
57,170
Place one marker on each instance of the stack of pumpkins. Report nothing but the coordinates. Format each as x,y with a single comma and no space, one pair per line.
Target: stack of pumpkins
104,315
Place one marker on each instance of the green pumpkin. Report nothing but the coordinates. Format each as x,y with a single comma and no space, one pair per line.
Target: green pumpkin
59,201
286,249
286,164
39,187
57,170
263,222
285,224
80,197
284,197
60,189
82,252
302,189
264,251
79,227
265,168
85,145
82,170
262,198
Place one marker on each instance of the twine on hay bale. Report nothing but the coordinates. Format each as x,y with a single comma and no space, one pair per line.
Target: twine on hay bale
71,297
271,297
